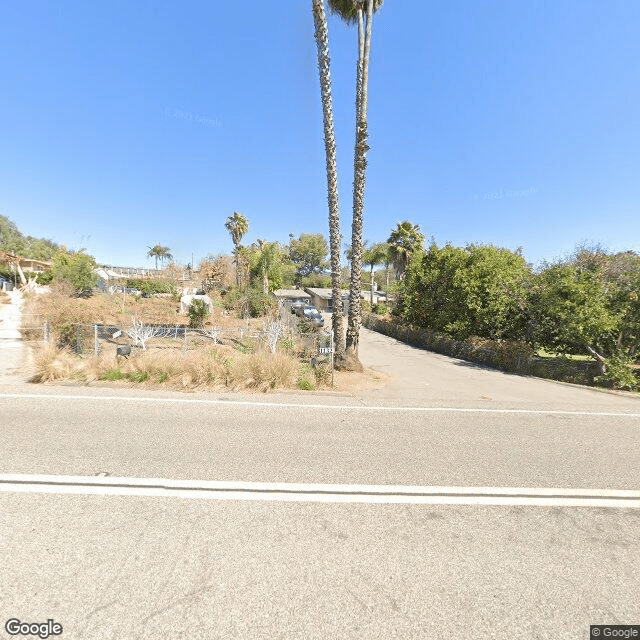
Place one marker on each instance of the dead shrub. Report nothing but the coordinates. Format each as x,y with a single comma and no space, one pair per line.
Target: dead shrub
52,364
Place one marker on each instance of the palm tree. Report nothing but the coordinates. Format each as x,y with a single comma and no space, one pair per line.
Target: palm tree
373,256
159,253
237,226
353,11
324,70
403,241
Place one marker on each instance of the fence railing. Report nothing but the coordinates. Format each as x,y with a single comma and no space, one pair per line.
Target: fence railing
90,339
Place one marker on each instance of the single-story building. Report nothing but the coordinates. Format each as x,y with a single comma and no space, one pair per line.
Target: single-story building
289,296
322,298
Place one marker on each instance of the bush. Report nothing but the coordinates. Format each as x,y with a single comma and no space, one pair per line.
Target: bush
198,311
150,287
619,374
250,302
46,277
380,309
77,269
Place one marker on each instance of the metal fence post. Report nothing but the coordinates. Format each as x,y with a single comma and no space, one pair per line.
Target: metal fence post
96,344
78,339
46,332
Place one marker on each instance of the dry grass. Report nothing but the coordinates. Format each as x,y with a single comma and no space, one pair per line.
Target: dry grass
5,298
52,364
242,362
214,367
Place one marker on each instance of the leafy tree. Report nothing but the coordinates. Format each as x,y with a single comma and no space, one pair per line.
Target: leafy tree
78,269
374,256
476,291
309,254
159,252
266,261
237,226
589,304
324,65
403,241
571,312
360,12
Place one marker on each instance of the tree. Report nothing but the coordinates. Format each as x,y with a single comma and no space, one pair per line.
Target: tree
476,291
372,257
572,314
78,269
12,241
309,254
403,241
237,226
589,303
353,11
159,252
324,66
266,260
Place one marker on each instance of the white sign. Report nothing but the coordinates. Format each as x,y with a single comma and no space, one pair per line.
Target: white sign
117,334
323,350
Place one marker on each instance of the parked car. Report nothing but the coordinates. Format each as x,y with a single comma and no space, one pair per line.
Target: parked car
312,315
300,311
297,305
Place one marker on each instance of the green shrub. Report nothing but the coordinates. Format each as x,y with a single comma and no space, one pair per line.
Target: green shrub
619,374
305,375
150,287
76,269
138,376
46,277
380,309
250,302
198,311
114,374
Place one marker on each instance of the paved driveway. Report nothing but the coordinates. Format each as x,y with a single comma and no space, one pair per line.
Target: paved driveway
427,378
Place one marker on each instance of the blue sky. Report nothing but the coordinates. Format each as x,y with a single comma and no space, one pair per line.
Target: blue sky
126,124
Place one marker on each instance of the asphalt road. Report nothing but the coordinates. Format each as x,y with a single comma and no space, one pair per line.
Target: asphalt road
107,565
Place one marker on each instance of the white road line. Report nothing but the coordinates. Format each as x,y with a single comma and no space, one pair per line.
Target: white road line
289,405
332,493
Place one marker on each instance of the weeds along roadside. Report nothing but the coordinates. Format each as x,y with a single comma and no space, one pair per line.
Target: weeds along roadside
246,365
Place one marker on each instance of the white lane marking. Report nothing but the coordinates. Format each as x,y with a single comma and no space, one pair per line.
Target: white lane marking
333,493
290,405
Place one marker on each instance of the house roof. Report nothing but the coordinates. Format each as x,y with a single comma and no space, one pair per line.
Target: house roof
322,292
291,293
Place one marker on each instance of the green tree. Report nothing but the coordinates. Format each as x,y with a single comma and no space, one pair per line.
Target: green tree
372,257
12,241
237,226
589,304
266,260
572,313
476,291
324,66
403,241
159,252
309,254
359,12
78,269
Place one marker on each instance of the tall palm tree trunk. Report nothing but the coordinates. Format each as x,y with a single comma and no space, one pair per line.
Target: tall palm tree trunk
359,180
237,254
324,68
372,285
